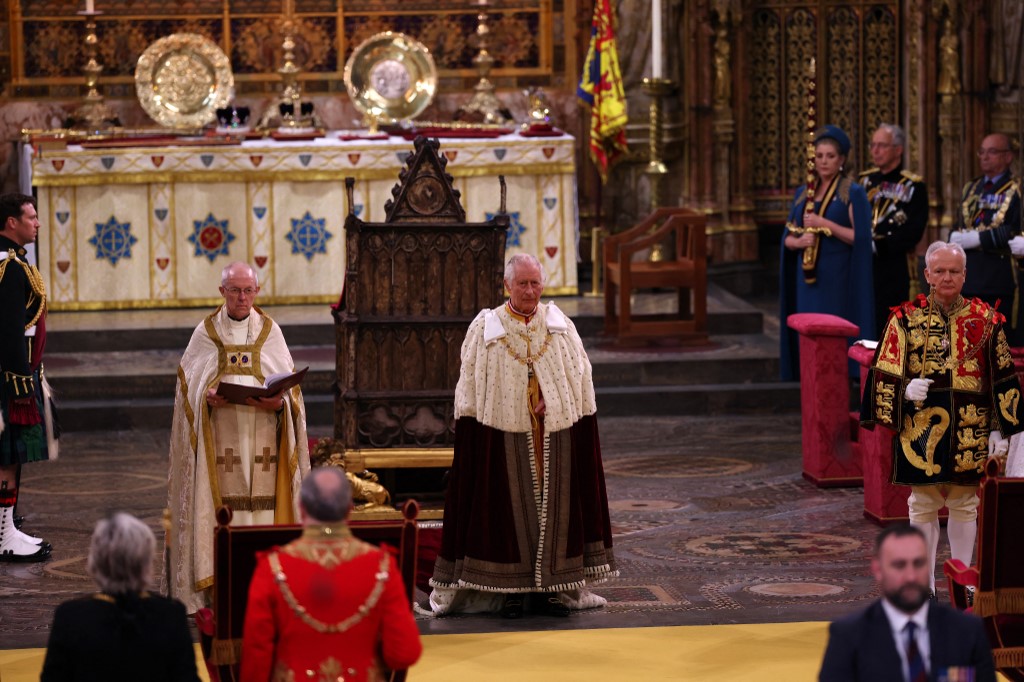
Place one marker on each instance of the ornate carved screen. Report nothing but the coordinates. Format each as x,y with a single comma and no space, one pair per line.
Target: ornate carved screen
42,51
412,286
856,45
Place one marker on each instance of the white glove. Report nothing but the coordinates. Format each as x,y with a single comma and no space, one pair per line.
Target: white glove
1017,246
967,239
997,445
917,389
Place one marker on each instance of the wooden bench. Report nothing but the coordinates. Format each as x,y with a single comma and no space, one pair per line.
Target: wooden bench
684,269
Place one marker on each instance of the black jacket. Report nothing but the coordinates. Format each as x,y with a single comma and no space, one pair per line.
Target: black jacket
861,646
103,639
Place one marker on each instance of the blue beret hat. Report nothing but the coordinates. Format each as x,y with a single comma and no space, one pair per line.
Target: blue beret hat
836,133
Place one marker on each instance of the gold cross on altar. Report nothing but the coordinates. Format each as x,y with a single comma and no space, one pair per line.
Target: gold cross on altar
228,460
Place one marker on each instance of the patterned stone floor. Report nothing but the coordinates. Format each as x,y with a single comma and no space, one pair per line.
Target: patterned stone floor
712,521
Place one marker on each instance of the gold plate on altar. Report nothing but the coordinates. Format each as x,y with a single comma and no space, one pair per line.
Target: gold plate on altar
391,77
182,80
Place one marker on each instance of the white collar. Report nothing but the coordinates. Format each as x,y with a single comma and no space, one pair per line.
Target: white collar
898,619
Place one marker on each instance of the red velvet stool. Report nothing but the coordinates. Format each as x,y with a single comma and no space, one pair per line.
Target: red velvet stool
884,503
831,458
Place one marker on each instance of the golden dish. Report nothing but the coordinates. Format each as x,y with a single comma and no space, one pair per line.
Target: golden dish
182,80
391,77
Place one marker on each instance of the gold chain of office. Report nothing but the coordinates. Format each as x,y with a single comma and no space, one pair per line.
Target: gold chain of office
330,628
528,359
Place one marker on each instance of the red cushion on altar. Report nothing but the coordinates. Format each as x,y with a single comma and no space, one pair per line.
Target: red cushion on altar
821,324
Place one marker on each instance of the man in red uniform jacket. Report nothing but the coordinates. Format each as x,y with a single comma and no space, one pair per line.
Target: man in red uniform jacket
327,606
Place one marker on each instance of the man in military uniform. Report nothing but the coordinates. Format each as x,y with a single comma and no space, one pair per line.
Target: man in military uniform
943,378
899,214
989,217
27,432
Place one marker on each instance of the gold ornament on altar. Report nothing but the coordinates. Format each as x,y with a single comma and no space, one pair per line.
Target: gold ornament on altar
367,492
182,79
391,77
539,112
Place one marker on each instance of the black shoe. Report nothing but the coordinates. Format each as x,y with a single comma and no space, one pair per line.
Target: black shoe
513,606
553,606
18,520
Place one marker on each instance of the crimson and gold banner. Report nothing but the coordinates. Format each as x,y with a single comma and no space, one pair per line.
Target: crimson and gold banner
601,88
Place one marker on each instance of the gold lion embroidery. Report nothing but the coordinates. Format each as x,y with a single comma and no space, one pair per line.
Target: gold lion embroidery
1003,358
914,428
1008,405
914,364
884,395
967,440
972,416
970,461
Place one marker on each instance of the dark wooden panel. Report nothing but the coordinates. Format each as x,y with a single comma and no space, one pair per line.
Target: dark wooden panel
412,287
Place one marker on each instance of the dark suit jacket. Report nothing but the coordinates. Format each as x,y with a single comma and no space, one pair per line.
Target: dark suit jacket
93,639
861,646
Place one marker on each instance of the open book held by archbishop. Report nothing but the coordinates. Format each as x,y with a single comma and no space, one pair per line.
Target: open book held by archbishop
274,384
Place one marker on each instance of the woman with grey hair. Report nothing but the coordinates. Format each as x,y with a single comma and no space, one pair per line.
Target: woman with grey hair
123,632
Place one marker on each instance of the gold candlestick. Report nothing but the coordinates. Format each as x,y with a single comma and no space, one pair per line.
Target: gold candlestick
484,104
286,109
93,112
291,91
656,89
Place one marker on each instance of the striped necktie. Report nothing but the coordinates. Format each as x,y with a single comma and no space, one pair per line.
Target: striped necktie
915,664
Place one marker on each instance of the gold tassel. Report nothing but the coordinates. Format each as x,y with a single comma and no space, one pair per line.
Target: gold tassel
1012,657
1002,601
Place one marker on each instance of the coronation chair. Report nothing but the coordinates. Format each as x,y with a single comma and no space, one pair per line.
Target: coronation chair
998,577
234,552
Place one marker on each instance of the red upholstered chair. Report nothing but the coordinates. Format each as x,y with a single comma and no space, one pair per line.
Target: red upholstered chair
998,576
234,552
831,458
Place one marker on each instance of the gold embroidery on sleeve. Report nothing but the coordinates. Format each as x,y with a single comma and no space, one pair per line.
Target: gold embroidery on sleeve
884,395
1008,405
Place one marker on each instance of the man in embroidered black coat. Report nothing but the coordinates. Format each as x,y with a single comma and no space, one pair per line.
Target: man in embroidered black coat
943,378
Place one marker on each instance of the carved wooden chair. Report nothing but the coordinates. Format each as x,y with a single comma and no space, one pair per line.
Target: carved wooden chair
683,269
998,576
234,550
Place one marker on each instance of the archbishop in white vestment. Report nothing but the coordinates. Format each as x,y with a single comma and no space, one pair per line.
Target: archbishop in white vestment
251,458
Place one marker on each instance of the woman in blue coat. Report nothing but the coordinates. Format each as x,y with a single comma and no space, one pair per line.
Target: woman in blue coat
842,283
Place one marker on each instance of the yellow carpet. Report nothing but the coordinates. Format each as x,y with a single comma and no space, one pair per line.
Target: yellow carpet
786,651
